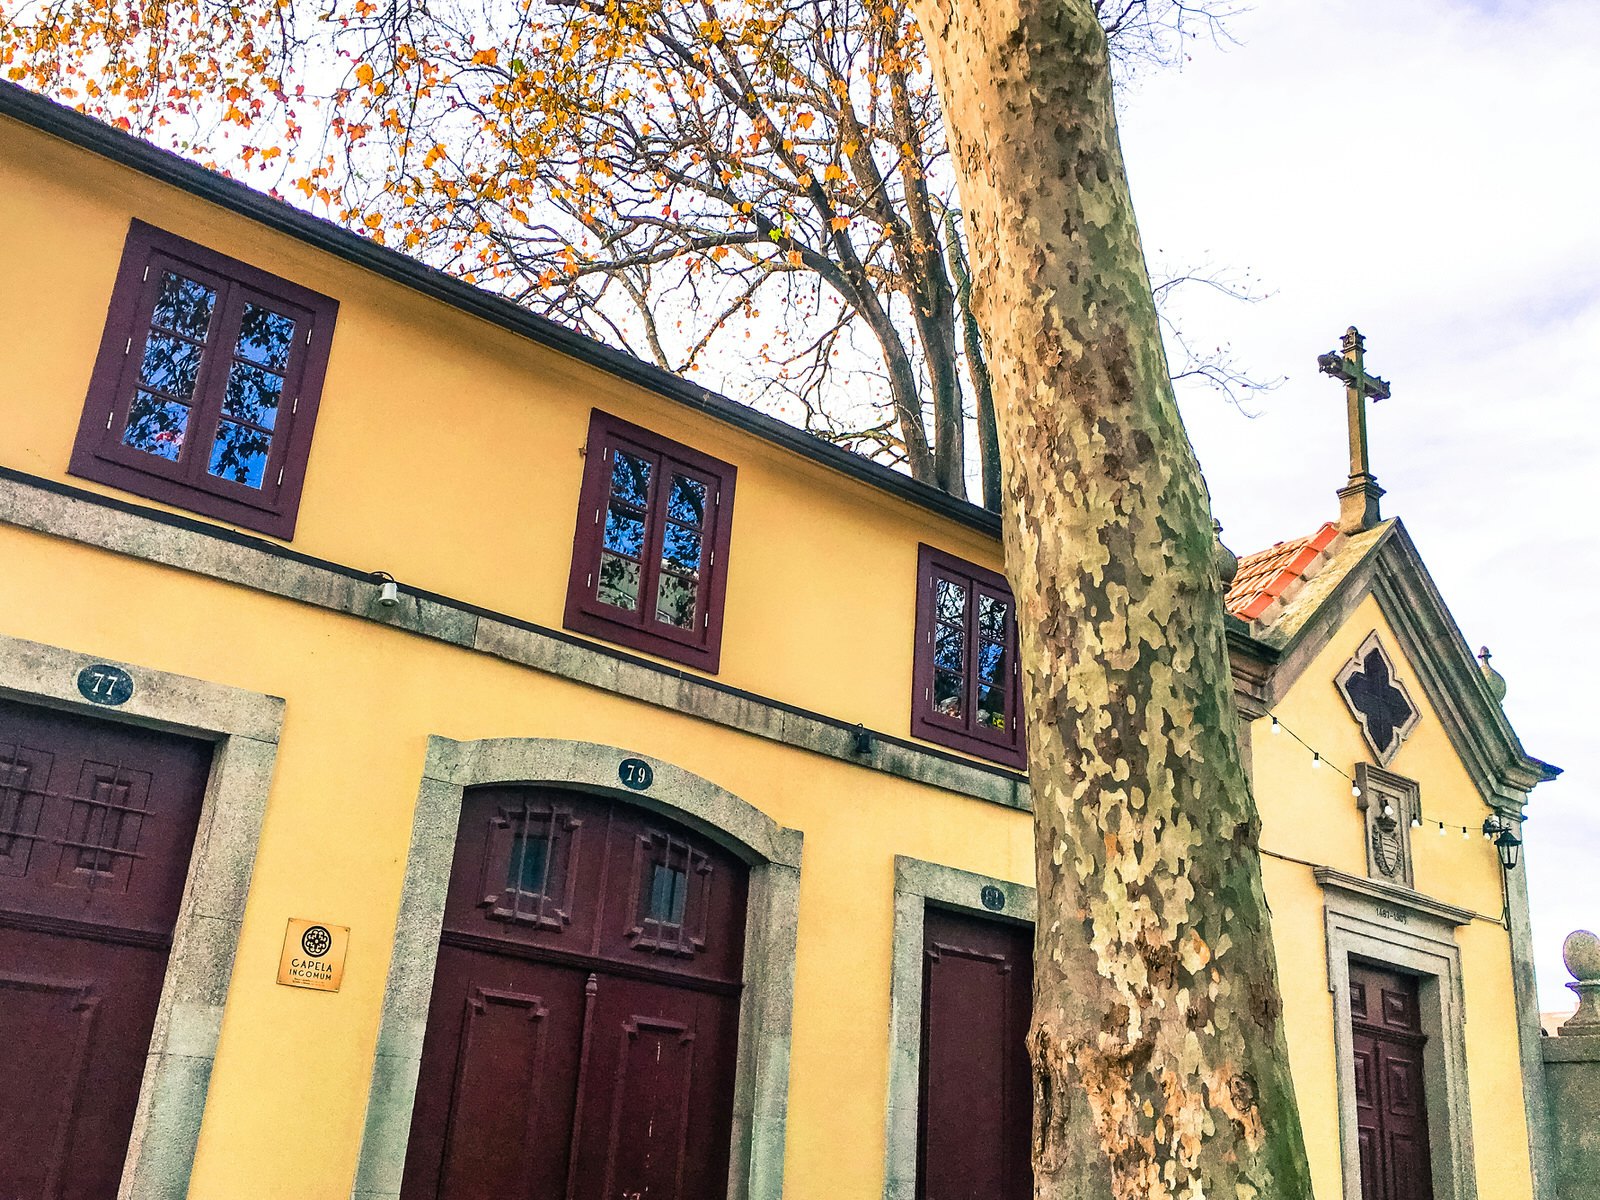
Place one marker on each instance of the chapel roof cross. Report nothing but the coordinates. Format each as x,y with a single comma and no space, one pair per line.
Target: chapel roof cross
1358,499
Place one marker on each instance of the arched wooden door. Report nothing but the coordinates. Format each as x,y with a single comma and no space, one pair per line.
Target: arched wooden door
584,1022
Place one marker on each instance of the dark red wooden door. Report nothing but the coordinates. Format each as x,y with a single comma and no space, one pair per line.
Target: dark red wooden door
1391,1112
584,1022
97,822
976,1114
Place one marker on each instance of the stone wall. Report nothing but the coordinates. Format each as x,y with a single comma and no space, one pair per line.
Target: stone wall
1572,1077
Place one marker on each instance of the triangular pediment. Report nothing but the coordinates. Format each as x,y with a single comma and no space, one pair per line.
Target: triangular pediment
1272,652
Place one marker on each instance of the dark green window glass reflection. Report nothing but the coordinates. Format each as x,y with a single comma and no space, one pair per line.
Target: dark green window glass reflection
949,699
669,894
992,707
619,582
530,859
675,600
156,425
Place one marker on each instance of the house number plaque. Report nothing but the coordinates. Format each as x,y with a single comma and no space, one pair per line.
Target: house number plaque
313,955
636,774
104,684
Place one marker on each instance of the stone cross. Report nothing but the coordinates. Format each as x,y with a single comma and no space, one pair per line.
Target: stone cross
1358,499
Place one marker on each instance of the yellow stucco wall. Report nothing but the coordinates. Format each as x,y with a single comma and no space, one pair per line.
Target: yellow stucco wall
447,454
1309,814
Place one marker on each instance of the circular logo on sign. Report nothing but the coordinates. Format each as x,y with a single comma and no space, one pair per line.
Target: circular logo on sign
993,898
316,941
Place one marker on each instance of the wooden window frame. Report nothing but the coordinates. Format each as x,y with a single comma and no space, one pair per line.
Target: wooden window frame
99,454
1008,747
585,613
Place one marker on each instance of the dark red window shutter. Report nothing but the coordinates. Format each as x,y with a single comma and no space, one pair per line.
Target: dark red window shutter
206,387
650,554
966,685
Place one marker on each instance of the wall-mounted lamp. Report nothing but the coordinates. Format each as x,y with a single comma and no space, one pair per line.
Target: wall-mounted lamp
864,740
1506,842
388,591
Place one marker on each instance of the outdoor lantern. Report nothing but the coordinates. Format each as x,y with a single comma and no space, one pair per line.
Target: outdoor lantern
1505,841
1507,844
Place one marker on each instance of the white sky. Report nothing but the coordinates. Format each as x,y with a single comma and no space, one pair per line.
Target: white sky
1428,171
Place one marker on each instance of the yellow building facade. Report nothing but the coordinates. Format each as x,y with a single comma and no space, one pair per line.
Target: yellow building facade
454,439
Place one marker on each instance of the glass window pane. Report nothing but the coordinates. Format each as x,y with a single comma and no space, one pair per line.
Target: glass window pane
240,454
156,426
948,648
687,503
991,661
624,531
170,364
992,617
680,550
948,699
253,395
669,893
184,305
630,479
619,582
675,600
530,856
950,601
992,707
265,338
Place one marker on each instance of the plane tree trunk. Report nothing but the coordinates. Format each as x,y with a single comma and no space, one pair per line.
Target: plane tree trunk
1160,1068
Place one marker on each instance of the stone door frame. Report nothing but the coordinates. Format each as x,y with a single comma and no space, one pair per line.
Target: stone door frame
917,884
1401,930
761,1087
244,727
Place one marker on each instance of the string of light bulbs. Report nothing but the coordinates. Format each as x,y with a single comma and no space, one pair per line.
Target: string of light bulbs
1417,819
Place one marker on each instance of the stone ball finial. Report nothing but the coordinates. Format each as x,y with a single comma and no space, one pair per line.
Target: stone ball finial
1495,680
1227,562
1581,953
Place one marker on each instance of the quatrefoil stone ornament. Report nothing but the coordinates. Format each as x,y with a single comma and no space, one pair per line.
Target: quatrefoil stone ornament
1377,699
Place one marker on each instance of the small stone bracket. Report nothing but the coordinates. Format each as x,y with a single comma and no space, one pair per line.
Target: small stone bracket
1389,802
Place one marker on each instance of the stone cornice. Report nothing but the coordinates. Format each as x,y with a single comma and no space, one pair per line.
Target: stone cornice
1391,894
186,544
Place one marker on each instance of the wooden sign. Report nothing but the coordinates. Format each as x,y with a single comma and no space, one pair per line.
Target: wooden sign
313,955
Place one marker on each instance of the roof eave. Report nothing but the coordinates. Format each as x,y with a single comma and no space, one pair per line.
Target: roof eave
73,127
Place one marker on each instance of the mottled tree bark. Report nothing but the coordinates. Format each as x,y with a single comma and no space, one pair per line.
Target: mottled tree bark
1160,1068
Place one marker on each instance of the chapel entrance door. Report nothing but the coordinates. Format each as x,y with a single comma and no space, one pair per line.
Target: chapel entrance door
1391,1110
583,1028
97,823
975,1116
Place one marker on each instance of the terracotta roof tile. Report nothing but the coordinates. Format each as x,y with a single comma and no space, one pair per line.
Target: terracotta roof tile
1265,575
